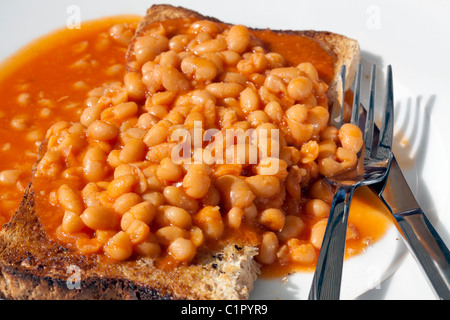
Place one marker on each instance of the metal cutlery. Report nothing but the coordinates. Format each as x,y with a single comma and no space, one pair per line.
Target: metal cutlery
420,236
373,166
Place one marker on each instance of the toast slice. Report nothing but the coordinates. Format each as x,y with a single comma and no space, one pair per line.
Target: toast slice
33,266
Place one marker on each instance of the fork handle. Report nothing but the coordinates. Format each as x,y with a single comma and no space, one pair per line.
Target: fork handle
326,283
428,248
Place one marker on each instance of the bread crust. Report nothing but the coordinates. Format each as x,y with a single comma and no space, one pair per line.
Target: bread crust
33,266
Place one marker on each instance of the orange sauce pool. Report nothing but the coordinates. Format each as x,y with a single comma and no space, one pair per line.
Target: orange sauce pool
45,82
49,80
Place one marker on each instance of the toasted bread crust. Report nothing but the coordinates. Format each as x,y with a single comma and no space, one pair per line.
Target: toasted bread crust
33,266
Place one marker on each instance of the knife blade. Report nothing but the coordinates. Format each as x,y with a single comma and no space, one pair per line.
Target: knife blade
421,238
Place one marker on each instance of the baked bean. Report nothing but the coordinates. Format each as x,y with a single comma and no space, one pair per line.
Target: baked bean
290,155
257,118
272,166
274,111
309,70
138,232
210,221
234,77
158,133
275,60
238,38
103,236
193,119
94,164
234,217
196,182
9,177
196,235
207,26
309,151
177,197
317,208
148,249
209,46
264,186
134,86
102,130
169,58
90,114
318,116
144,211
163,98
72,223
321,190
272,218
301,252
345,159
249,100
223,90
296,117
121,34
125,110
212,198
179,42
241,194
350,137
229,57
182,249
256,62
286,73
177,217
251,212
293,227
69,199
317,232
148,47
121,185
199,69
327,149
134,150
154,197
268,248
167,235
167,170
330,133
88,246
173,80
119,247
124,202
300,88
100,218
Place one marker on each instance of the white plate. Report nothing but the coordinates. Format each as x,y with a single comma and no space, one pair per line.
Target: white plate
409,35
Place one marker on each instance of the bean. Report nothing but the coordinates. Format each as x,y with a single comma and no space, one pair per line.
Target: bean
100,218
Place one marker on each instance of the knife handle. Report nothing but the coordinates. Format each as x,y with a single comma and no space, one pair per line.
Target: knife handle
428,248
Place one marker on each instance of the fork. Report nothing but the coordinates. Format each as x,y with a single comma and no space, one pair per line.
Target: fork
373,165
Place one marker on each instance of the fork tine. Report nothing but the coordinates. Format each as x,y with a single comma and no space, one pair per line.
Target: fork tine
338,106
368,132
387,124
356,98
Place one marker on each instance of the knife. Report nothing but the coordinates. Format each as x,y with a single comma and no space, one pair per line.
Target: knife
420,236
